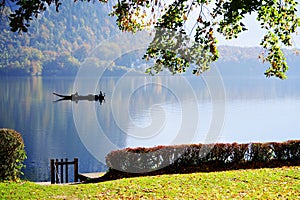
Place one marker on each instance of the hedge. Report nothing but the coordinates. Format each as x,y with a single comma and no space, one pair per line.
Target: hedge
201,158
12,154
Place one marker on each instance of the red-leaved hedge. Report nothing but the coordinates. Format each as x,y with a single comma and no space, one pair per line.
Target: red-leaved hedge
201,158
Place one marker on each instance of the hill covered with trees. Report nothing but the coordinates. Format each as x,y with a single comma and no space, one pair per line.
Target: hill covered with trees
56,43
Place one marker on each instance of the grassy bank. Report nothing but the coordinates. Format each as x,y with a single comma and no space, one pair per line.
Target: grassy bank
277,183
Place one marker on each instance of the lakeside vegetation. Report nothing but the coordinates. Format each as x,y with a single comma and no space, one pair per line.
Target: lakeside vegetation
275,183
58,43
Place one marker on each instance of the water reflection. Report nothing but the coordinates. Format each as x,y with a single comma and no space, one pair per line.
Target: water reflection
261,110
256,110
48,129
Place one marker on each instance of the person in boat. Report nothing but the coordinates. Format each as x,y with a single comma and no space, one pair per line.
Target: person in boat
101,95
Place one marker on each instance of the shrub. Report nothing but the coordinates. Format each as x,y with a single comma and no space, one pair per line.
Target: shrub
201,157
12,154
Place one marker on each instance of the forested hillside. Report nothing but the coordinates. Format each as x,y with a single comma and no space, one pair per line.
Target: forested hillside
56,43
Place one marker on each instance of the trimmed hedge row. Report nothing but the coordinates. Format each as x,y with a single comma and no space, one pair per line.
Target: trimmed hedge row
201,158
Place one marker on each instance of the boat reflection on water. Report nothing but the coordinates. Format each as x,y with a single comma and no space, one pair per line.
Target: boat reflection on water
76,97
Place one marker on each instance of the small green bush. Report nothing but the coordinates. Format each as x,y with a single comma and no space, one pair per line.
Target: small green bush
12,154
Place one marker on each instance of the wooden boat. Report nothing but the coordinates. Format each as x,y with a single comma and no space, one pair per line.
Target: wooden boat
76,97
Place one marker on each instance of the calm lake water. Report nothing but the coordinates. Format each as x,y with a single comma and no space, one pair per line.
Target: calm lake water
143,111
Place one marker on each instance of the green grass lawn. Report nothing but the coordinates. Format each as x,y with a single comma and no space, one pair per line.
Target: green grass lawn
277,183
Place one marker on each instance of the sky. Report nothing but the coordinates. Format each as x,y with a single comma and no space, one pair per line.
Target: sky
254,34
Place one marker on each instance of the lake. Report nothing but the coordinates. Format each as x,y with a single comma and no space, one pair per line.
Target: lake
143,111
